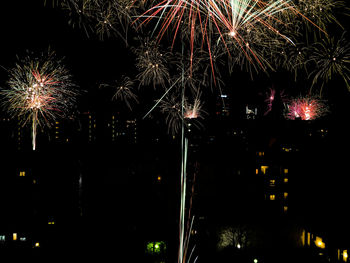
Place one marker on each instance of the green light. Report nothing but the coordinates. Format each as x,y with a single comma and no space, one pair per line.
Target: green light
155,247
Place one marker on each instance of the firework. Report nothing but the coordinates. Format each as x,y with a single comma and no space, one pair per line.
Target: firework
101,17
306,108
40,91
330,58
225,22
171,105
322,12
152,64
123,91
180,112
271,97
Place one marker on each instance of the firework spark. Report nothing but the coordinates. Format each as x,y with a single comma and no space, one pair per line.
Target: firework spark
40,91
152,64
306,108
330,58
225,22
123,91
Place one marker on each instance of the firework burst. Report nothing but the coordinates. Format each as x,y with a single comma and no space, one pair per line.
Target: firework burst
152,64
40,91
330,58
224,22
123,91
306,108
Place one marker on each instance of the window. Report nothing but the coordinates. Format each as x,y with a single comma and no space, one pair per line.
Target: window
14,236
272,197
303,238
272,182
22,173
2,238
285,209
256,171
263,169
285,180
285,195
345,255
285,170
319,243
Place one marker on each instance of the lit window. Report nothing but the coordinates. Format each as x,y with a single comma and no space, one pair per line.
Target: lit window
285,195
272,197
155,247
264,168
261,153
14,236
308,238
345,255
285,180
285,209
22,173
256,171
285,170
2,238
37,244
57,122
22,238
319,243
303,238
159,178
272,182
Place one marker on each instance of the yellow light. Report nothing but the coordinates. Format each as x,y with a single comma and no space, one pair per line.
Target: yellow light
14,236
319,243
285,170
345,255
256,171
22,173
272,182
159,178
285,209
285,195
303,238
37,244
263,169
285,180
272,197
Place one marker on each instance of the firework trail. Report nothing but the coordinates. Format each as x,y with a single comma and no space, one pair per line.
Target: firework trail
306,108
40,91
